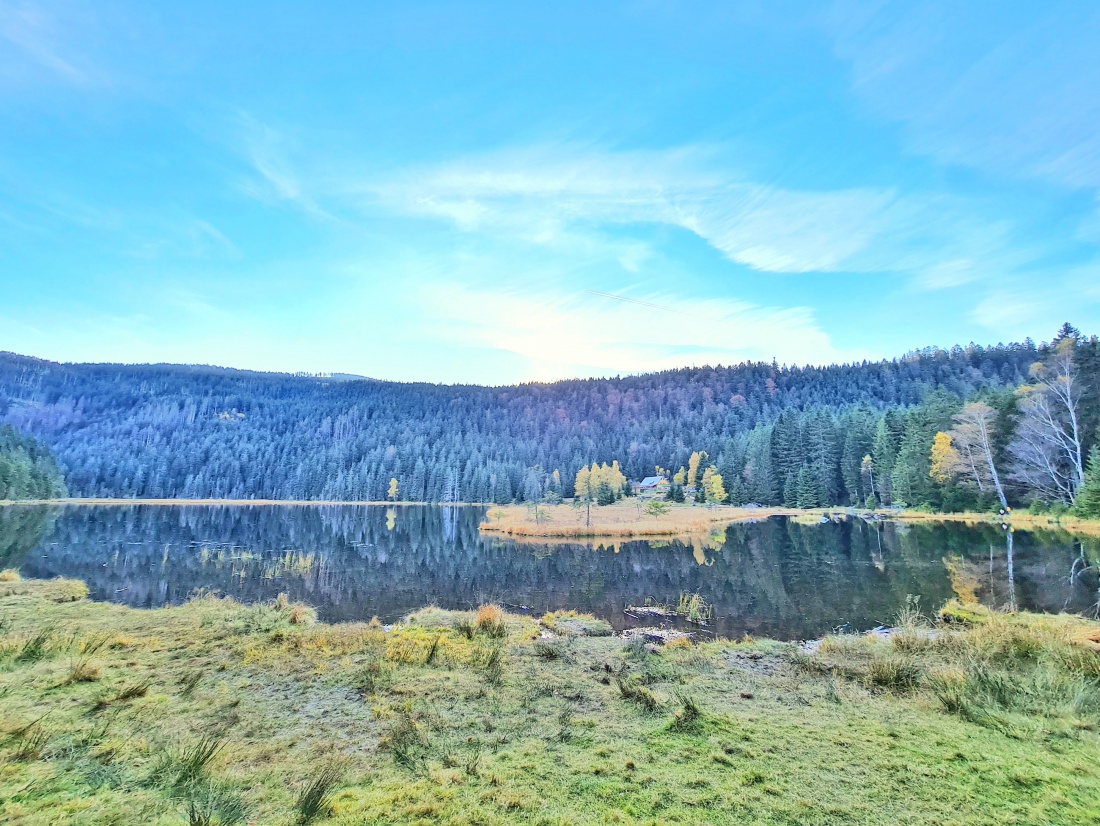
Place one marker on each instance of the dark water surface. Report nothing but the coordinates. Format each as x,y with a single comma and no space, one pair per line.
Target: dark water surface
774,578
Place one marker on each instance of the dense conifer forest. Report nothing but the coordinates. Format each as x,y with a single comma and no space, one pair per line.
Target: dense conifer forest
27,469
847,434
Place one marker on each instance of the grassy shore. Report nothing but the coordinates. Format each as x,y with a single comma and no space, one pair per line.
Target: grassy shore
623,519
215,712
627,518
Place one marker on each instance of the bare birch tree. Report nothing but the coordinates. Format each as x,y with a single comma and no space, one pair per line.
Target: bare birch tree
1047,454
972,440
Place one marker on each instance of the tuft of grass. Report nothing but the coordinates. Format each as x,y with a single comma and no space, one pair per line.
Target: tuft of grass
190,681
187,767
38,647
315,799
635,692
550,649
407,742
490,621
694,608
491,664
896,673
81,667
301,615
214,804
432,649
31,741
10,575
688,713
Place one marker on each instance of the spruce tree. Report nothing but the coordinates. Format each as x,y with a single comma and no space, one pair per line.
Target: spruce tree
1087,503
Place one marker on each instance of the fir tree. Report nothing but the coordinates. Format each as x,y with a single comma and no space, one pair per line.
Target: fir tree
1087,503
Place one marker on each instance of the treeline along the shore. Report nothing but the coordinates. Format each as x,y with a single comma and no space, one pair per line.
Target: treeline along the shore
846,434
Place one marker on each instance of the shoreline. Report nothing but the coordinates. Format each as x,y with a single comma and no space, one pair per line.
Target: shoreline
236,503
624,523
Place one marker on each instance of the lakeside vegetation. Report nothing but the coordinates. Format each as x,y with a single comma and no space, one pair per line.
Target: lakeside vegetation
630,518
27,468
215,712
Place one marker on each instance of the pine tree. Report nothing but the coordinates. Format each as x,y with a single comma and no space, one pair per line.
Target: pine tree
790,491
884,456
1087,503
806,488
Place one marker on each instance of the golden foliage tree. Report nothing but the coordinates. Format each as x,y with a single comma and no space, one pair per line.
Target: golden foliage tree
713,485
945,460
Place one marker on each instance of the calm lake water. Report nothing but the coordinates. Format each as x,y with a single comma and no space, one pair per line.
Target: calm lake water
773,578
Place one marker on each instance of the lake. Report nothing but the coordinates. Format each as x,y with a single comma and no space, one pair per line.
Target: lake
773,578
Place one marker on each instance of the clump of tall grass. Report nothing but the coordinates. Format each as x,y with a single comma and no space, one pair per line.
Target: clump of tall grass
1012,700
550,649
370,677
466,628
911,616
315,799
130,691
186,766
81,667
844,644
490,621
30,741
694,608
9,575
215,805
688,713
38,647
896,673
637,693
407,741
490,661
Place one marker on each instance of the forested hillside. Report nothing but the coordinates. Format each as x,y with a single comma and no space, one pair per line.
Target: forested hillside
27,470
828,435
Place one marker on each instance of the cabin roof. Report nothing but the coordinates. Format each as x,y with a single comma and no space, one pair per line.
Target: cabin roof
650,481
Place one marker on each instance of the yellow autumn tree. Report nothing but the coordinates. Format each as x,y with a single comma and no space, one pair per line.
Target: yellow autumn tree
713,485
391,494
678,477
693,467
944,458
583,486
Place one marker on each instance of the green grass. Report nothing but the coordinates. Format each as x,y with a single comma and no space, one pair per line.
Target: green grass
217,713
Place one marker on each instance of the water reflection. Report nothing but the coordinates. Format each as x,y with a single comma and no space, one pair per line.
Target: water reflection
773,578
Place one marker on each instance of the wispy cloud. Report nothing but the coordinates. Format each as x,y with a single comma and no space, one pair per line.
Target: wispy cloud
40,43
1010,90
547,194
561,335
274,176
538,193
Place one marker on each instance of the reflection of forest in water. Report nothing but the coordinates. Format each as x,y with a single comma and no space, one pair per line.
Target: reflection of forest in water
774,578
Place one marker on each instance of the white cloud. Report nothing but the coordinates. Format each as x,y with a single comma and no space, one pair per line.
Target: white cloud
569,195
538,194
562,336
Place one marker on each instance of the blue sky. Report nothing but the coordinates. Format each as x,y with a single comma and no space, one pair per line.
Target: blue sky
454,192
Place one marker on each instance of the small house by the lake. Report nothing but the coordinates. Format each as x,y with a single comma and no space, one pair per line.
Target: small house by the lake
652,484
